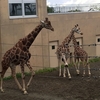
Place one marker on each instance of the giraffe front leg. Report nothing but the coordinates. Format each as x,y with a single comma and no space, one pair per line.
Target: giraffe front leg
60,67
89,72
64,71
23,79
77,64
32,73
69,75
66,67
83,63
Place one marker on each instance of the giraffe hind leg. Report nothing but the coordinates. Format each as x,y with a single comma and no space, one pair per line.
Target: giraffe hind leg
77,64
13,69
4,69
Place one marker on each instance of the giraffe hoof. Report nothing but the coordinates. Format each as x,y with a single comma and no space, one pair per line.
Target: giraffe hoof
78,74
69,78
2,91
59,75
88,77
83,75
25,93
64,75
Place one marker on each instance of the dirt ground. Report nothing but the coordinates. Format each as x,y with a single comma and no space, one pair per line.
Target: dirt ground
48,86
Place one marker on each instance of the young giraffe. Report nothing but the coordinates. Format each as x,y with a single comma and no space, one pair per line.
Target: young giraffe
19,55
63,51
80,54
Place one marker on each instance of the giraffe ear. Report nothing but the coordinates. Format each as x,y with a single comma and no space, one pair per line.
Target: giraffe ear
76,25
46,19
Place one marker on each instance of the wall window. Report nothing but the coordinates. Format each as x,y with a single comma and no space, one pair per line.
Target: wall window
22,8
53,47
98,40
15,9
78,43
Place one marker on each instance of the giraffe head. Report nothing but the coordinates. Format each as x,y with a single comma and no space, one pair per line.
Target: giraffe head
47,24
77,29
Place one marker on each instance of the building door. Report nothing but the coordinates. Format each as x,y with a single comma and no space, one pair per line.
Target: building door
53,57
98,46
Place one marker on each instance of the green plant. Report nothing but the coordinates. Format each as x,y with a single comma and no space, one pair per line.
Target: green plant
94,60
50,9
45,70
18,75
7,78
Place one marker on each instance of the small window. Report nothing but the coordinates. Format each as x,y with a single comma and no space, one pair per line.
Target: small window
98,40
15,9
22,8
53,47
30,8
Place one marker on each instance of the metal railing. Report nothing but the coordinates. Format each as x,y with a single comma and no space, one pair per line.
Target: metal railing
42,46
44,56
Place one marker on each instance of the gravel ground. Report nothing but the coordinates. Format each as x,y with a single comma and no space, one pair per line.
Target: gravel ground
48,86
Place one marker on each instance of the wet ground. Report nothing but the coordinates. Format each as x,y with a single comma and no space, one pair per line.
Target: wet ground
48,86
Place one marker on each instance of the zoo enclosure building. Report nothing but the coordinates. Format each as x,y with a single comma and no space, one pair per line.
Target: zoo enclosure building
20,17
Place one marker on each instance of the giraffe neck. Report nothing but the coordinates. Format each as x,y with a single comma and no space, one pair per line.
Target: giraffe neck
29,39
75,42
68,38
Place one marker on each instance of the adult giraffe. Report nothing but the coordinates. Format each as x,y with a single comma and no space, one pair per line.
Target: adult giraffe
63,51
19,55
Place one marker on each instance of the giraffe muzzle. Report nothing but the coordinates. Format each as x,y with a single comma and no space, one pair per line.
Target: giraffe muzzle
52,29
81,33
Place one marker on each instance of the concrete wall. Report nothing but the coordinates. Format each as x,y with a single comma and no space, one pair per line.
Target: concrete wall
11,30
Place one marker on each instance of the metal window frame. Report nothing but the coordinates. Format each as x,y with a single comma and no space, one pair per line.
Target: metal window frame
23,14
